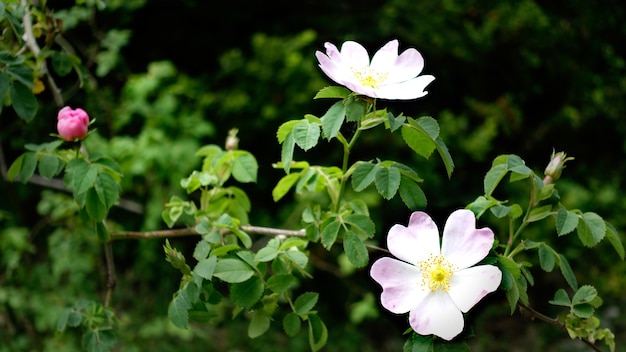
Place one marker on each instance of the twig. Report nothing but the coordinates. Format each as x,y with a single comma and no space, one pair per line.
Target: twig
110,267
555,322
32,45
258,230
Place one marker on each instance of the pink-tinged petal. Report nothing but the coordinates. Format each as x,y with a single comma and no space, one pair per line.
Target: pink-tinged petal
415,242
469,286
400,283
385,58
437,315
412,89
354,54
330,68
463,245
407,66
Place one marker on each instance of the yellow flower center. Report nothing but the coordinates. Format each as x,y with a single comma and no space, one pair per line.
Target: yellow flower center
436,273
368,77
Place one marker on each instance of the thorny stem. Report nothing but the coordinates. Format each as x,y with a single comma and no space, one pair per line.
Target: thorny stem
552,321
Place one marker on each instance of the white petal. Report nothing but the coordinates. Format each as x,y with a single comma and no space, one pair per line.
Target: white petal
330,68
400,283
385,58
354,54
415,242
407,66
408,90
437,315
469,286
463,245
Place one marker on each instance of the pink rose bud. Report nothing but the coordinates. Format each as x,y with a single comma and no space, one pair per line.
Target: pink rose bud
72,124
556,166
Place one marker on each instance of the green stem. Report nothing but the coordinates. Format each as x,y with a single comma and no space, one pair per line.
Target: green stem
514,235
347,147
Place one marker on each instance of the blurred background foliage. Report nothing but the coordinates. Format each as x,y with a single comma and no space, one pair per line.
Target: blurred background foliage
165,78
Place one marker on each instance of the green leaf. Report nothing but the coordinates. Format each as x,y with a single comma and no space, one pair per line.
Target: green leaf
614,238
355,108
547,258
583,310
286,152
444,153
591,230
493,177
108,189
4,84
292,324
306,134
29,163
266,254
244,167
280,283
566,221
247,293
418,140
395,122
561,299
567,272
332,92
49,165
387,181
361,224
355,250
585,294
363,175
318,333
540,213
333,119
284,185
412,194
481,204
61,62
259,324
202,249
419,343
298,258
429,125
96,209
206,267
23,101
285,130
21,74
329,233
98,340
305,302
102,232
232,270
178,308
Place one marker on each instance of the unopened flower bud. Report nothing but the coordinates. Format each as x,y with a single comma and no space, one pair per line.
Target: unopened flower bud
556,166
232,142
72,124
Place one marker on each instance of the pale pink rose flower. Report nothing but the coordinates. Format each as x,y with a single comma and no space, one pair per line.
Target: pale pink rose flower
436,284
72,124
387,76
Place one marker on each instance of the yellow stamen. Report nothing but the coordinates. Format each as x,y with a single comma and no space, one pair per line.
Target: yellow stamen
436,273
368,77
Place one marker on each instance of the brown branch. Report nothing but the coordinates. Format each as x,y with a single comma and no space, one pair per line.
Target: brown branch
555,322
110,269
189,231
